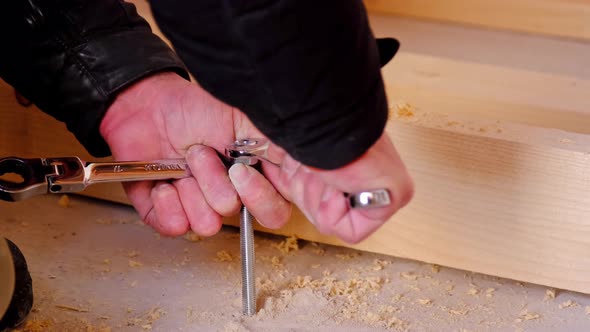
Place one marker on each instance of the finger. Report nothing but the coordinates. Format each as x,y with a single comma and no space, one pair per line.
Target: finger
168,215
139,195
297,184
212,178
381,167
202,218
338,219
260,197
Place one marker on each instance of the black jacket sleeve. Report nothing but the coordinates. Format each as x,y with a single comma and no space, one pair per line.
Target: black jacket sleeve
306,72
71,58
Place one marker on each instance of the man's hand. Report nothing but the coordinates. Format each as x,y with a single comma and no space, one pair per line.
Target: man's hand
319,194
164,116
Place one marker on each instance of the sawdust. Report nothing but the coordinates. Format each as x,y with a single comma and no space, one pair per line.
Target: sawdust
223,256
348,256
424,301
318,250
490,292
304,286
64,201
568,304
379,264
409,276
289,244
192,236
587,310
71,308
135,263
525,315
404,110
550,295
146,320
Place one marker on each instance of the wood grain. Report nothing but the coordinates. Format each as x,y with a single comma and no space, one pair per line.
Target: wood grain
482,204
563,18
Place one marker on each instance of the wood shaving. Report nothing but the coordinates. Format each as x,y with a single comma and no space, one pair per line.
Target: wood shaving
134,263
456,312
408,275
71,308
473,291
550,294
525,315
223,256
568,304
587,310
133,253
435,268
404,110
192,236
64,201
379,264
288,244
147,320
319,251
490,292
276,262
348,256
424,301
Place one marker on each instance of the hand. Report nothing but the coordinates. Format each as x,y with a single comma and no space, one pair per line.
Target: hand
167,117
319,194
164,116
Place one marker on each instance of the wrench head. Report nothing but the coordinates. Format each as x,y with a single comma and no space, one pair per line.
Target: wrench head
247,151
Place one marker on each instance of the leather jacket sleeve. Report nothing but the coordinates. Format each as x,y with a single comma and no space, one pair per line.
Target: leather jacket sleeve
71,58
306,72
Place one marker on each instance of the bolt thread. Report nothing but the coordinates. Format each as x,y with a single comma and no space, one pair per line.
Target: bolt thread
247,252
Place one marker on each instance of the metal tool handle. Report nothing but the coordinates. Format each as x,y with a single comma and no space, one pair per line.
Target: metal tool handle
71,180
136,171
71,174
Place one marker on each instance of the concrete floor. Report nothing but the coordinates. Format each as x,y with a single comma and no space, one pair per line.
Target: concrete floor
97,268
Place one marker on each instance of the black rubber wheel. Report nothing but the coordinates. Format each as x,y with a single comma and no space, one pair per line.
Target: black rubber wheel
22,298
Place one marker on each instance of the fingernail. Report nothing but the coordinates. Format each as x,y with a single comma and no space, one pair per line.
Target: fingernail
239,174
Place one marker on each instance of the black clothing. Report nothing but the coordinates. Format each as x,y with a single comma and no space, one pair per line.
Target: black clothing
306,73
72,57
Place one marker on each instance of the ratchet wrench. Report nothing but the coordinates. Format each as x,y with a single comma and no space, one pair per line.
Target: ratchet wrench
72,174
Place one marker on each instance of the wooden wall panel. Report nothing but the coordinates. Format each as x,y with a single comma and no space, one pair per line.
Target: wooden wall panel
562,18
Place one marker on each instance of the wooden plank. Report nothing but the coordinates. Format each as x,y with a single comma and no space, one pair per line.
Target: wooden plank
562,18
483,204
487,205
491,92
